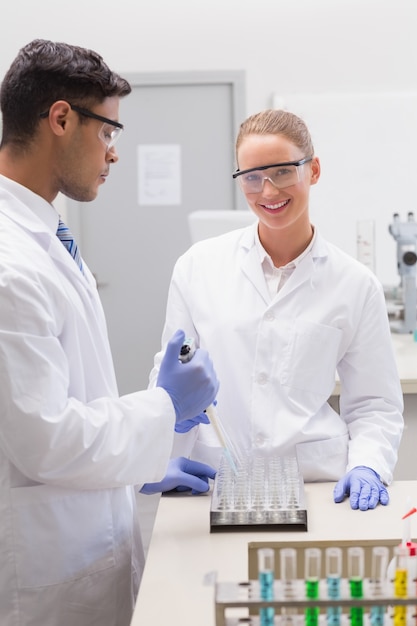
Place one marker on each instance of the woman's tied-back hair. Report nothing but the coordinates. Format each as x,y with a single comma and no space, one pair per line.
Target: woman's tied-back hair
277,122
44,72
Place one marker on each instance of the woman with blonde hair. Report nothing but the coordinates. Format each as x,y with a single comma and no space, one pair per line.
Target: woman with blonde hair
282,313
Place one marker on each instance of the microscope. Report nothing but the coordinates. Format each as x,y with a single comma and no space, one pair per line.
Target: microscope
405,234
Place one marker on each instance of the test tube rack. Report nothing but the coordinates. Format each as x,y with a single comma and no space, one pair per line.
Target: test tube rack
237,604
265,493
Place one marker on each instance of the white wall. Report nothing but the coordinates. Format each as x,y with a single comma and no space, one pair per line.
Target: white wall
284,46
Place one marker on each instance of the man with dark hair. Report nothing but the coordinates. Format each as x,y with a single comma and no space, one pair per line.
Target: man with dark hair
70,447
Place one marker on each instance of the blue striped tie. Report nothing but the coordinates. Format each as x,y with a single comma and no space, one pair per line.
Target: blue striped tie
67,238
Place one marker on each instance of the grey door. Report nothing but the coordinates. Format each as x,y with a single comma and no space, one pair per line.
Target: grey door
131,246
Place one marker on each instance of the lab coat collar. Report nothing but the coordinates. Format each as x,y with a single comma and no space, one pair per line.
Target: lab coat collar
28,209
252,267
40,219
319,248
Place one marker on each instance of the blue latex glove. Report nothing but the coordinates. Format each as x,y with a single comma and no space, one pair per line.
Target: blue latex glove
364,488
183,475
192,385
186,425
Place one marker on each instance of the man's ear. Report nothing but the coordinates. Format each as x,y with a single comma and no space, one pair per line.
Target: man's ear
59,114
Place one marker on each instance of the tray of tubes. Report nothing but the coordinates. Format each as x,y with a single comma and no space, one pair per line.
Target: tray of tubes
258,493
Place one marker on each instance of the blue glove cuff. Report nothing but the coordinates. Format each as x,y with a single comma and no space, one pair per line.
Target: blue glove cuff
365,467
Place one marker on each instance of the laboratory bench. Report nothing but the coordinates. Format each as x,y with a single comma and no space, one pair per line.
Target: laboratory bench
185,558
405,348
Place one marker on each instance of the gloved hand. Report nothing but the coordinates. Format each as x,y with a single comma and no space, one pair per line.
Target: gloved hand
186,425
183,475
364,487
192,385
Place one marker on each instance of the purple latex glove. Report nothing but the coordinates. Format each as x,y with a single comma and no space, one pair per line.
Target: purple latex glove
192,386
364,488
186,425
183,475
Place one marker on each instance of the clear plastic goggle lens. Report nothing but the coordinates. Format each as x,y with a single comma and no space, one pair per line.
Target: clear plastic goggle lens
280,177
109,135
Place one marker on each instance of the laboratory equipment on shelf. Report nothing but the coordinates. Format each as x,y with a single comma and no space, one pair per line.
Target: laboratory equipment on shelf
405,234
266,493
372,600
358,588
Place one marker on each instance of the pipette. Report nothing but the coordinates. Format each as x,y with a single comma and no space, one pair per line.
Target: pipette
406,540
410,545
410,512
186,354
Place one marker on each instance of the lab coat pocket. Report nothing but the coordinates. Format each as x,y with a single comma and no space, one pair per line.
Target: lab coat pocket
323,460
310,360
45,519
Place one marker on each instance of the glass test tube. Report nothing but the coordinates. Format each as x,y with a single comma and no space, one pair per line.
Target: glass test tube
288,563
400,583
377,582
312,575
355,575
333,579
266,576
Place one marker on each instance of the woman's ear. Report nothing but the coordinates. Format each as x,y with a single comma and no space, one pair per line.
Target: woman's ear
315,170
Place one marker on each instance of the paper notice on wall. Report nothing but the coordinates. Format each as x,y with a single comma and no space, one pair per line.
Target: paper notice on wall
159,174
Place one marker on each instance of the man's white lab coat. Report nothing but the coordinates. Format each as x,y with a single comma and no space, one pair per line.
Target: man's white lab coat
277,358
70,448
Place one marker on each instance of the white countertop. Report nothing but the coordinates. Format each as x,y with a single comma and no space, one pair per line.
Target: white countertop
406,355
183,553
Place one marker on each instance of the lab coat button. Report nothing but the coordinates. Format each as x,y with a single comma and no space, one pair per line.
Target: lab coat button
259,441
269,316
262,379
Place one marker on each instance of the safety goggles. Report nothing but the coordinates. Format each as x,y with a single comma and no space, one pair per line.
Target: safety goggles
109,132
281,175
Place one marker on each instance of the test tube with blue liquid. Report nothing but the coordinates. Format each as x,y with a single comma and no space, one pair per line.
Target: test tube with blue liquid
312,575
333,566
266,576
355,575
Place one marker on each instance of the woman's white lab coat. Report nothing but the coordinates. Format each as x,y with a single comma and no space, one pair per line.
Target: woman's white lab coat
277,358
70,448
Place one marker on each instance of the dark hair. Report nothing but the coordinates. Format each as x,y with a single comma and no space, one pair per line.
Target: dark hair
44,72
